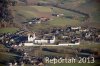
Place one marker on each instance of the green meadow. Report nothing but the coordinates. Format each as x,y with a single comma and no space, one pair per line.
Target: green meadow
8,30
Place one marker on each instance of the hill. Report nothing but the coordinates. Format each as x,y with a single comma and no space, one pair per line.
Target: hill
29,10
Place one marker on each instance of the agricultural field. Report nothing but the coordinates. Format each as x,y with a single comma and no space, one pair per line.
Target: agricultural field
64,21
93,9
28,12
58,22
25,13
8,30
87,6
42,8
68,64
38,27
73,64
5,56
47,53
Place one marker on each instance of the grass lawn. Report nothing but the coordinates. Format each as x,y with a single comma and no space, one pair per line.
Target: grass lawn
96,16
76,64
65,12
41,26
58,22
3,48
52,53
8,30
1,65
71,64
42,8
64,22
28,12
6,57
25,11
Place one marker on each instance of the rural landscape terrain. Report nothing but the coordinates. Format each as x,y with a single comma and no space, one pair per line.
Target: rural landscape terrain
31,30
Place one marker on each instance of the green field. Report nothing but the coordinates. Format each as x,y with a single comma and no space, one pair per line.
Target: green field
31,11
64,22
25,11
28,12
5,56
42,8
8,30
41,27
68,64
96,16
65,12
57,22
71,64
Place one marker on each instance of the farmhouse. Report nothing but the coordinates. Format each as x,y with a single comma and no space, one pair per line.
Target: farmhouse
58,15
75,28
37,20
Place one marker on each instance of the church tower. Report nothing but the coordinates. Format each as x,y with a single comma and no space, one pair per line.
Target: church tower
53,40
31,37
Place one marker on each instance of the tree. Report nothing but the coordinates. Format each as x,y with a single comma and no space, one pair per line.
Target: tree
6,16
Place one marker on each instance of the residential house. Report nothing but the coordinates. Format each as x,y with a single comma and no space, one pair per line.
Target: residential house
74,42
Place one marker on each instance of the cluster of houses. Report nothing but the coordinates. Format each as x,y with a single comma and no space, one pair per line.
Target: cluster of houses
55,36
26,59
57,15
51,40
40,61
37,20
64,37
22,64
34,40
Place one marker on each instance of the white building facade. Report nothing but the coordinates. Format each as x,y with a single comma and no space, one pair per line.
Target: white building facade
33,41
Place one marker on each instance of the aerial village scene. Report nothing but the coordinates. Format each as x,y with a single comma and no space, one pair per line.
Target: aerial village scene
40,32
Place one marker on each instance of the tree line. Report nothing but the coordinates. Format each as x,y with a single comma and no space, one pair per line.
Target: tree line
6,13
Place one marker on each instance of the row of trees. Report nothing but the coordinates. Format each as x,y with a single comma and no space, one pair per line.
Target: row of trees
6,14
